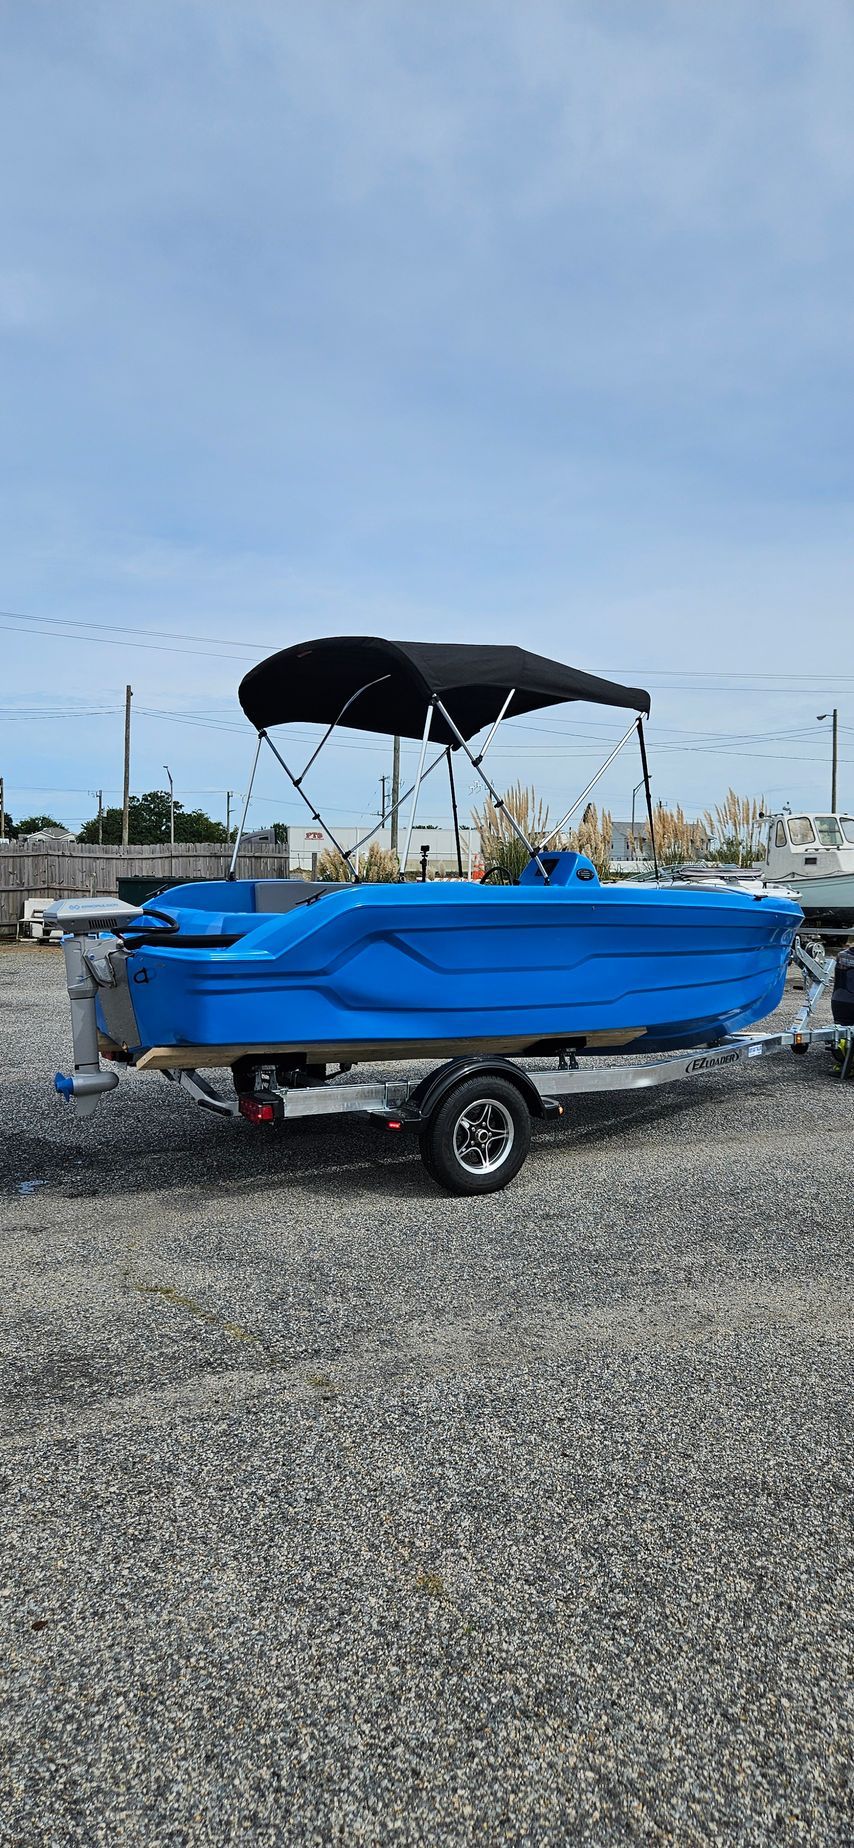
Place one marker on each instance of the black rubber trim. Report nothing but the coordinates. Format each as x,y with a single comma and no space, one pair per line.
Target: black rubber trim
428,1095
497,868
161,939
140,929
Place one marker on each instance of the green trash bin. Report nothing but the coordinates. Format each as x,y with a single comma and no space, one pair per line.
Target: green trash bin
135,891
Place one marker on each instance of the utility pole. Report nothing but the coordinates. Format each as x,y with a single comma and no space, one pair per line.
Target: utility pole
383,781
100,817
126,795
834,716
2,810
171,806
395,793
228,795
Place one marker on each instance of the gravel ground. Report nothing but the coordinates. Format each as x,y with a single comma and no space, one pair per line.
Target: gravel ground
338,1510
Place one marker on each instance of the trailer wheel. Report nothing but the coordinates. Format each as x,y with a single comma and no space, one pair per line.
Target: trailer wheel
478,1137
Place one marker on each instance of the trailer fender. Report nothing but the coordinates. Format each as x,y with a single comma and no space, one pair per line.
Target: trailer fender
429,1094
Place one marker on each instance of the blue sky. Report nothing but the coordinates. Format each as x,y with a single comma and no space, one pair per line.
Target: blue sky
528,322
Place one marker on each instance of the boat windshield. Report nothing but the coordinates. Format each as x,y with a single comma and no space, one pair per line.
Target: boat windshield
846,823
801,833
829,832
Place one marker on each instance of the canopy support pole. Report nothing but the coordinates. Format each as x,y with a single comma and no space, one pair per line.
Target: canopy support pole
417,785
635,726
500,804
239,836
297,780
647,787
315,813
454,811
478,760
396,805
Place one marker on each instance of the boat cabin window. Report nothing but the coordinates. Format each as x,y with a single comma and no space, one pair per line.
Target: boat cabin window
780,835
801,831
829,832
846,823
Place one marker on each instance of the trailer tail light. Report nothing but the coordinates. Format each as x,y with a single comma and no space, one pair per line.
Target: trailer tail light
257,1110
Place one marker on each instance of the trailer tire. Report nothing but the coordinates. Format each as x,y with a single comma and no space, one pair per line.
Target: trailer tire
478,1137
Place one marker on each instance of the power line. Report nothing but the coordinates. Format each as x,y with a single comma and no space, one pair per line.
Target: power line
698,679
94,712
573,730
81,622
107,641
727,744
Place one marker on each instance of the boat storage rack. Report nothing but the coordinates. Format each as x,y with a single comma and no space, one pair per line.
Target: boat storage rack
473,1115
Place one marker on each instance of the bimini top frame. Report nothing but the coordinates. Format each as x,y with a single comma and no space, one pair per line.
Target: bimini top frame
444,693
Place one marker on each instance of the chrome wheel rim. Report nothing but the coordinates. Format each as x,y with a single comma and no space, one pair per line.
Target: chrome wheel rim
483,1136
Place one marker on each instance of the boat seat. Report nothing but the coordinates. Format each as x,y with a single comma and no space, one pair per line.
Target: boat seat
274,896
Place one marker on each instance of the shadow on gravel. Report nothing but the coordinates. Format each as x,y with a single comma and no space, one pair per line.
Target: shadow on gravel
201,1152
140,1147
216,1157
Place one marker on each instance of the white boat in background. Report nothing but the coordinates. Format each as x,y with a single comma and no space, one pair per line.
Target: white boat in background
725,876
813,856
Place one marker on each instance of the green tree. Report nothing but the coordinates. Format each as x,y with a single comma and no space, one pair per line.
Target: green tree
196,825
32,824
148,823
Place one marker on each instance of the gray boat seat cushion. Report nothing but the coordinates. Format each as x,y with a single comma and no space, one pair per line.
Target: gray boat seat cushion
278,895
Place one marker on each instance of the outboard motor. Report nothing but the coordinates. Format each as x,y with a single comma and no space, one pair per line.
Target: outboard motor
88,926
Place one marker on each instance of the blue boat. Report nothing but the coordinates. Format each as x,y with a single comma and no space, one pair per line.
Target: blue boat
379,972
288,984
235,970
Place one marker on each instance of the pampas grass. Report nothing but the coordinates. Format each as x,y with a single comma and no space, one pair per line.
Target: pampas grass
500,846
676,838
594,837
736,828
377,867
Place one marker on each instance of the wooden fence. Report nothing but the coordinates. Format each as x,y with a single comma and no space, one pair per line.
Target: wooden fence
72,871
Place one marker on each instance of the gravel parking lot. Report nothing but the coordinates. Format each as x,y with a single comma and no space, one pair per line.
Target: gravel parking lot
335,1509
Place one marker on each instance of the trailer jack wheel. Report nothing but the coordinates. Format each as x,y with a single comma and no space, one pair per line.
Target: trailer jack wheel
477,1139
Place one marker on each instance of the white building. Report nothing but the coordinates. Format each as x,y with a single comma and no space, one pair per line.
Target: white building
307,843
630,849
49,837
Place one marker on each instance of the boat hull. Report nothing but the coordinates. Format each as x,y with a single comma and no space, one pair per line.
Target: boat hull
827,899
403,971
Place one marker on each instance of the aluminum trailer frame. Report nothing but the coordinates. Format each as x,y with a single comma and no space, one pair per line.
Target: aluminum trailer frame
473,1114
418,1103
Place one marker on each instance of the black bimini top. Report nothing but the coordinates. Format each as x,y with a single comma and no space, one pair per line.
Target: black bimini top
373,685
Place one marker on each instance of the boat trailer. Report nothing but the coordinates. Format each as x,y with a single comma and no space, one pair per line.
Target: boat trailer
473,1114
